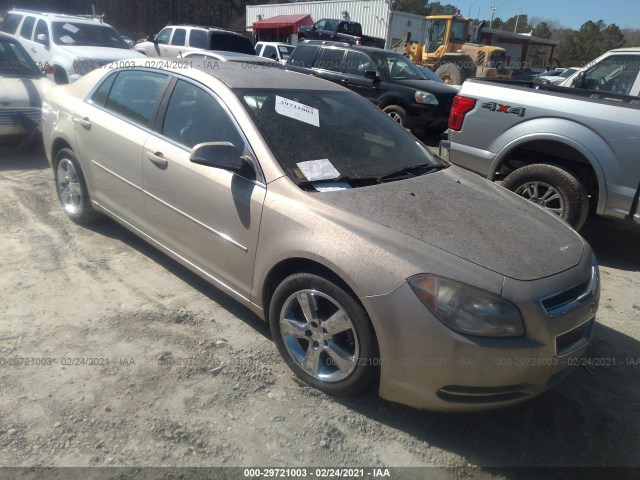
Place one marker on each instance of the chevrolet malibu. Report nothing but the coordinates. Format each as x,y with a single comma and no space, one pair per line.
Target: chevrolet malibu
371,259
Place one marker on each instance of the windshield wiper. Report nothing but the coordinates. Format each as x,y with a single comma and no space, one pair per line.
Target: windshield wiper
341,178
412,171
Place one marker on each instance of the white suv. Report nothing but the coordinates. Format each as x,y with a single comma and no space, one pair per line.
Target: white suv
274,50
174,40
74,45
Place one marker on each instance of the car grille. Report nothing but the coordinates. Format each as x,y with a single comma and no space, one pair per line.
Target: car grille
463,394
563,298
29,118
574,339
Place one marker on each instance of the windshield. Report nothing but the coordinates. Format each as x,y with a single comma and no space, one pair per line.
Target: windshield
84,34
397,67
339,134
16,62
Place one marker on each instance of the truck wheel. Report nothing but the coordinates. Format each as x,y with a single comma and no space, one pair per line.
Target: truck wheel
451,73
60,76
397,114
553,188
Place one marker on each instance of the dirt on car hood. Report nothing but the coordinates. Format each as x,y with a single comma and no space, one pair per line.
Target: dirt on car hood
470,217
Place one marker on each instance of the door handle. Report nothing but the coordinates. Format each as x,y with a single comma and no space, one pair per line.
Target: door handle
84,122
158,159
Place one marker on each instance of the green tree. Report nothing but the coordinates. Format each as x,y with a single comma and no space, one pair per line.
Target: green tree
522,24
593,39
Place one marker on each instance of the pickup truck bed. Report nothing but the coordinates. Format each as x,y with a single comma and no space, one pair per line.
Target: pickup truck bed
571,151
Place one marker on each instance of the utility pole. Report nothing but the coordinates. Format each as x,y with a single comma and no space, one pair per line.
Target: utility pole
493,14
515,29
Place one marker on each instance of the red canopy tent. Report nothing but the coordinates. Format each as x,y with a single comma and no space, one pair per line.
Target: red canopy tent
280,26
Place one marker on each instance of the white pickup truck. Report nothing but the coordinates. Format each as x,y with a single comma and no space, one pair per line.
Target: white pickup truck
570,150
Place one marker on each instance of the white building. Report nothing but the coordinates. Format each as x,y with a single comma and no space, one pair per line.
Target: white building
376,17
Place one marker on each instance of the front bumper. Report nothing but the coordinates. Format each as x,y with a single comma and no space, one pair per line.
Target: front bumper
425,364
429,117
17,123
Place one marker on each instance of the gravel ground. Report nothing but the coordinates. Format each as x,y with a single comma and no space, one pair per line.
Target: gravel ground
181,375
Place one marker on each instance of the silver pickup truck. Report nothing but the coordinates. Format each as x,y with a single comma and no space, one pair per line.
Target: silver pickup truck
569,150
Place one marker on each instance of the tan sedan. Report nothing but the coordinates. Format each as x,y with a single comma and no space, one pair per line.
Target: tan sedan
371,259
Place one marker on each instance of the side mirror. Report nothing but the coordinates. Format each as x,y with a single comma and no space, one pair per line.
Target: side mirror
579,82
151,38
218,154
371,75
313,28
43,39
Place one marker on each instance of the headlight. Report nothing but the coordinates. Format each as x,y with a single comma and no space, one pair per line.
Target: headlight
467,309
426,98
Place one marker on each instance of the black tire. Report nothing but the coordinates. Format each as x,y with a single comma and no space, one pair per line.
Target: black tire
452,73
357,340
572,200
397,114
60,76
72,188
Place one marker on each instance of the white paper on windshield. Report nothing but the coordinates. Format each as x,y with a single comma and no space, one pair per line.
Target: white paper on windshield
297,111
332,186
70,28
67,39
318,170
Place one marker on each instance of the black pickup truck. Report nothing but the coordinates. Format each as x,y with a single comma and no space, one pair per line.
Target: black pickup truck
338,31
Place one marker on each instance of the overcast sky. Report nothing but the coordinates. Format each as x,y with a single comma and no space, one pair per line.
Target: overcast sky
569,13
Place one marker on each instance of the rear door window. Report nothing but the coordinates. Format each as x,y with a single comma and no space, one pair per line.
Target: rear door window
330,59
198,39
27,27
179,37
134,95
304,55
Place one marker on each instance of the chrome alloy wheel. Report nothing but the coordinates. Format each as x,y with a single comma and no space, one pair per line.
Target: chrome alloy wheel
395,116
543,195
69,187
319,335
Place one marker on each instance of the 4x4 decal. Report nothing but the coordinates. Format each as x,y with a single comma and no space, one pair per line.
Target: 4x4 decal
498,107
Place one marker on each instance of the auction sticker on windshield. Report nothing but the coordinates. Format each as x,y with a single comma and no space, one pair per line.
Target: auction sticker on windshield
297,111
318,170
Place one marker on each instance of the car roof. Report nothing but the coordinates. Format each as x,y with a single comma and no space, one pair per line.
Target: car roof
225,56
62,17
359,48
237,75
204,27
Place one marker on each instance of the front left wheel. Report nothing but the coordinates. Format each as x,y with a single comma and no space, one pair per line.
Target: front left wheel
72,188
324,334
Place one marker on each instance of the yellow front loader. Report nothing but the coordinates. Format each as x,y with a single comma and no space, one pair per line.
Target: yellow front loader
454,59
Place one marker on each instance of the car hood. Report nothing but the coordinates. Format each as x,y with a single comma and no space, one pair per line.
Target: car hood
102,53
430,86
471,218
23,92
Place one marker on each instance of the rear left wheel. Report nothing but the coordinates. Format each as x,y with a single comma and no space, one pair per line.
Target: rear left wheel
323,334
72,188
